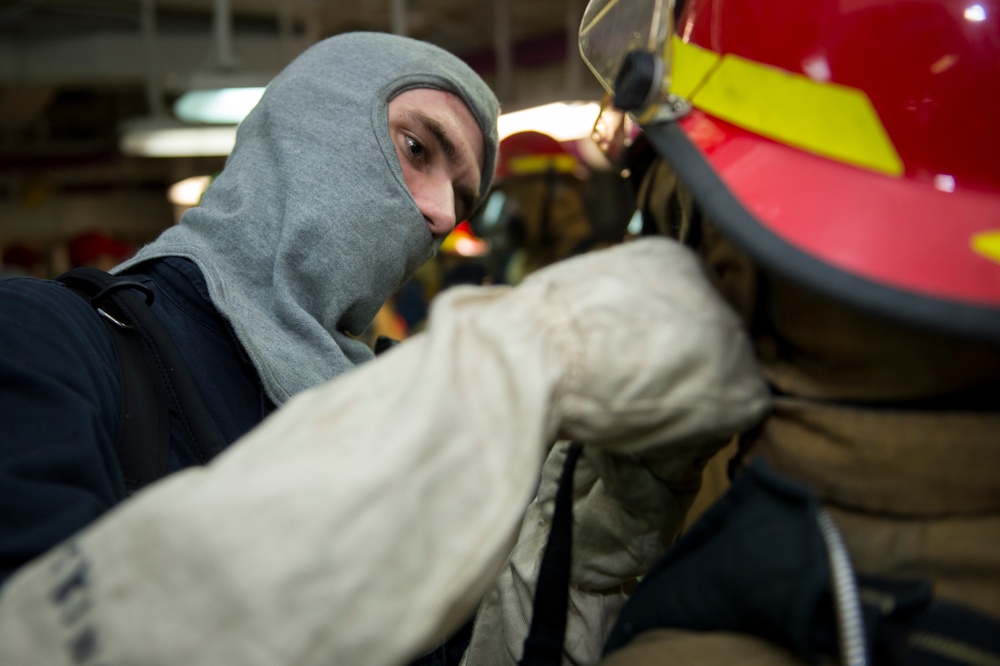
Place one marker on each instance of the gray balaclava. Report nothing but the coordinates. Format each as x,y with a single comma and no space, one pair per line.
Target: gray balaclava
310,228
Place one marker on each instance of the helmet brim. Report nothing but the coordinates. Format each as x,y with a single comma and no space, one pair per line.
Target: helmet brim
892,246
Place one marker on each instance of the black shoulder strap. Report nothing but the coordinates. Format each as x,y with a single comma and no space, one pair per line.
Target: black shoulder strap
154,378
544,644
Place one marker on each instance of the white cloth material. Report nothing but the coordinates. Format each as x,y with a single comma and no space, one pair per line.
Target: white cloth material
629,500
366,519
626,512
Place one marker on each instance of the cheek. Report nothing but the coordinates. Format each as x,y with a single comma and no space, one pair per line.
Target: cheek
411,177
414,182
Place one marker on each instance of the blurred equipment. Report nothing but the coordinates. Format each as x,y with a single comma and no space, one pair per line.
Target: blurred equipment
536,214
98,249
463,242
22,259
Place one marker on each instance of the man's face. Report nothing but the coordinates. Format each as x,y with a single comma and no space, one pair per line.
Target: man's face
440,149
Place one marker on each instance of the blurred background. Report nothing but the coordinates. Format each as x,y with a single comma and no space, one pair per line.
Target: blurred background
104,139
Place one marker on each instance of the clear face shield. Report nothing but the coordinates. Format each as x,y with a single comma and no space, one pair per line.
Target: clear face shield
625,43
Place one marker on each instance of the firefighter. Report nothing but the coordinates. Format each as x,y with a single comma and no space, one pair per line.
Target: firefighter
832,166
540,215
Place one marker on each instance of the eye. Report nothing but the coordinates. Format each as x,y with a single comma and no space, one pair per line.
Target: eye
415,148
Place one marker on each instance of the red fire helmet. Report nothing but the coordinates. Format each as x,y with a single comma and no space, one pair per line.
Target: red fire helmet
531,153
851,145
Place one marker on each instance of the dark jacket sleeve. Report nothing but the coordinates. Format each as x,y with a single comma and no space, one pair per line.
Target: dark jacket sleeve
59,409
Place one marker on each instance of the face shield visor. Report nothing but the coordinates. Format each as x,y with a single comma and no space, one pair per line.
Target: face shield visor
614,36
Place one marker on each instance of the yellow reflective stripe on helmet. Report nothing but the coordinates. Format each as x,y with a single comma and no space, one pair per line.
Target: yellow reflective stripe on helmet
987,244
536,164
689,66
828,119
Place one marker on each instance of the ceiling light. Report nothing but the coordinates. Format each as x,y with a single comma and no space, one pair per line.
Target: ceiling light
219,105
564,121
220,96
188,192
165,137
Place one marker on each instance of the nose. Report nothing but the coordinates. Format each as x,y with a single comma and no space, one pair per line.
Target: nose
438,207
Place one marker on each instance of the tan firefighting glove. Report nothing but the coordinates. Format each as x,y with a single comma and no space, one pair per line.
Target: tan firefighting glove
629,499
364,520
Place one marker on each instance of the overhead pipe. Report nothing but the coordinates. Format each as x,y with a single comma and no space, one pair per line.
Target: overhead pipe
222,30
502,47
399,17
574,63
312,25
286,28
151,52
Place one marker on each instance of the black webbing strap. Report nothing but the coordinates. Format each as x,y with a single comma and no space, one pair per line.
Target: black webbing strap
756,563
544,643
154,378
906,624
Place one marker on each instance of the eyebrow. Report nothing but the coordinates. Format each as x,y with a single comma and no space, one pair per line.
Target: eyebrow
469,196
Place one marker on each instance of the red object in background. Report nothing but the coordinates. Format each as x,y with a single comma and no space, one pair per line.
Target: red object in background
96,248
21,256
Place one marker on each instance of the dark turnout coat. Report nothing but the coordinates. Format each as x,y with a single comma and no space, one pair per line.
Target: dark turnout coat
61,400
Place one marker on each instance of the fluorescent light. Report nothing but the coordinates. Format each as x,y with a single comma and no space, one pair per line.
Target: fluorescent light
164,137
188,192
564,121
222,105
